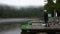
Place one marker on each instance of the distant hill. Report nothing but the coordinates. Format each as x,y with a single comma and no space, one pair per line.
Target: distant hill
12,12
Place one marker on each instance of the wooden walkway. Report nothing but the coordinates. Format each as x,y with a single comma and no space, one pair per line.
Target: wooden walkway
38,29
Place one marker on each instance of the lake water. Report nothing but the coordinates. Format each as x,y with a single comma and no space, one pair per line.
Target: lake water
10,29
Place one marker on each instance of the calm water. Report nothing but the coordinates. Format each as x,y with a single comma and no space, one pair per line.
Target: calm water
10,29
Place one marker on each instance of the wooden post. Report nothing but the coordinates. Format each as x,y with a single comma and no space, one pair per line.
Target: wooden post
55,17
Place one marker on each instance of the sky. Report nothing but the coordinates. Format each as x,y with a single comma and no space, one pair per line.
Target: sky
23,3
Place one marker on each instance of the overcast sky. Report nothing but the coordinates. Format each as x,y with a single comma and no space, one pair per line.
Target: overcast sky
23,2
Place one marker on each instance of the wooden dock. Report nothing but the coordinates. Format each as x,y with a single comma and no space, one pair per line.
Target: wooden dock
52,29
48,30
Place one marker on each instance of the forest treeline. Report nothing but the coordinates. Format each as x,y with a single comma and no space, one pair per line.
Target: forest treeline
11,12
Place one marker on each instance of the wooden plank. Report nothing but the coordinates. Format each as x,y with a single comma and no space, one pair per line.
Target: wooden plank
44,28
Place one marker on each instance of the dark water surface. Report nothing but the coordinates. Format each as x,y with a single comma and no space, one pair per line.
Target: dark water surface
10,29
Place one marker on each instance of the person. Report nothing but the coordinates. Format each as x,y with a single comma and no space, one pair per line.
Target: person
46,18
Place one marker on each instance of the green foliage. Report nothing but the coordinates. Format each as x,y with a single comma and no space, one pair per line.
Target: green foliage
50,6
58,5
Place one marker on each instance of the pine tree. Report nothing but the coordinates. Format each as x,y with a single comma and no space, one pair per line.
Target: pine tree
49,6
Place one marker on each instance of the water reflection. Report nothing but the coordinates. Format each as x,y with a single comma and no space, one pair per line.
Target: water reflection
10,29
